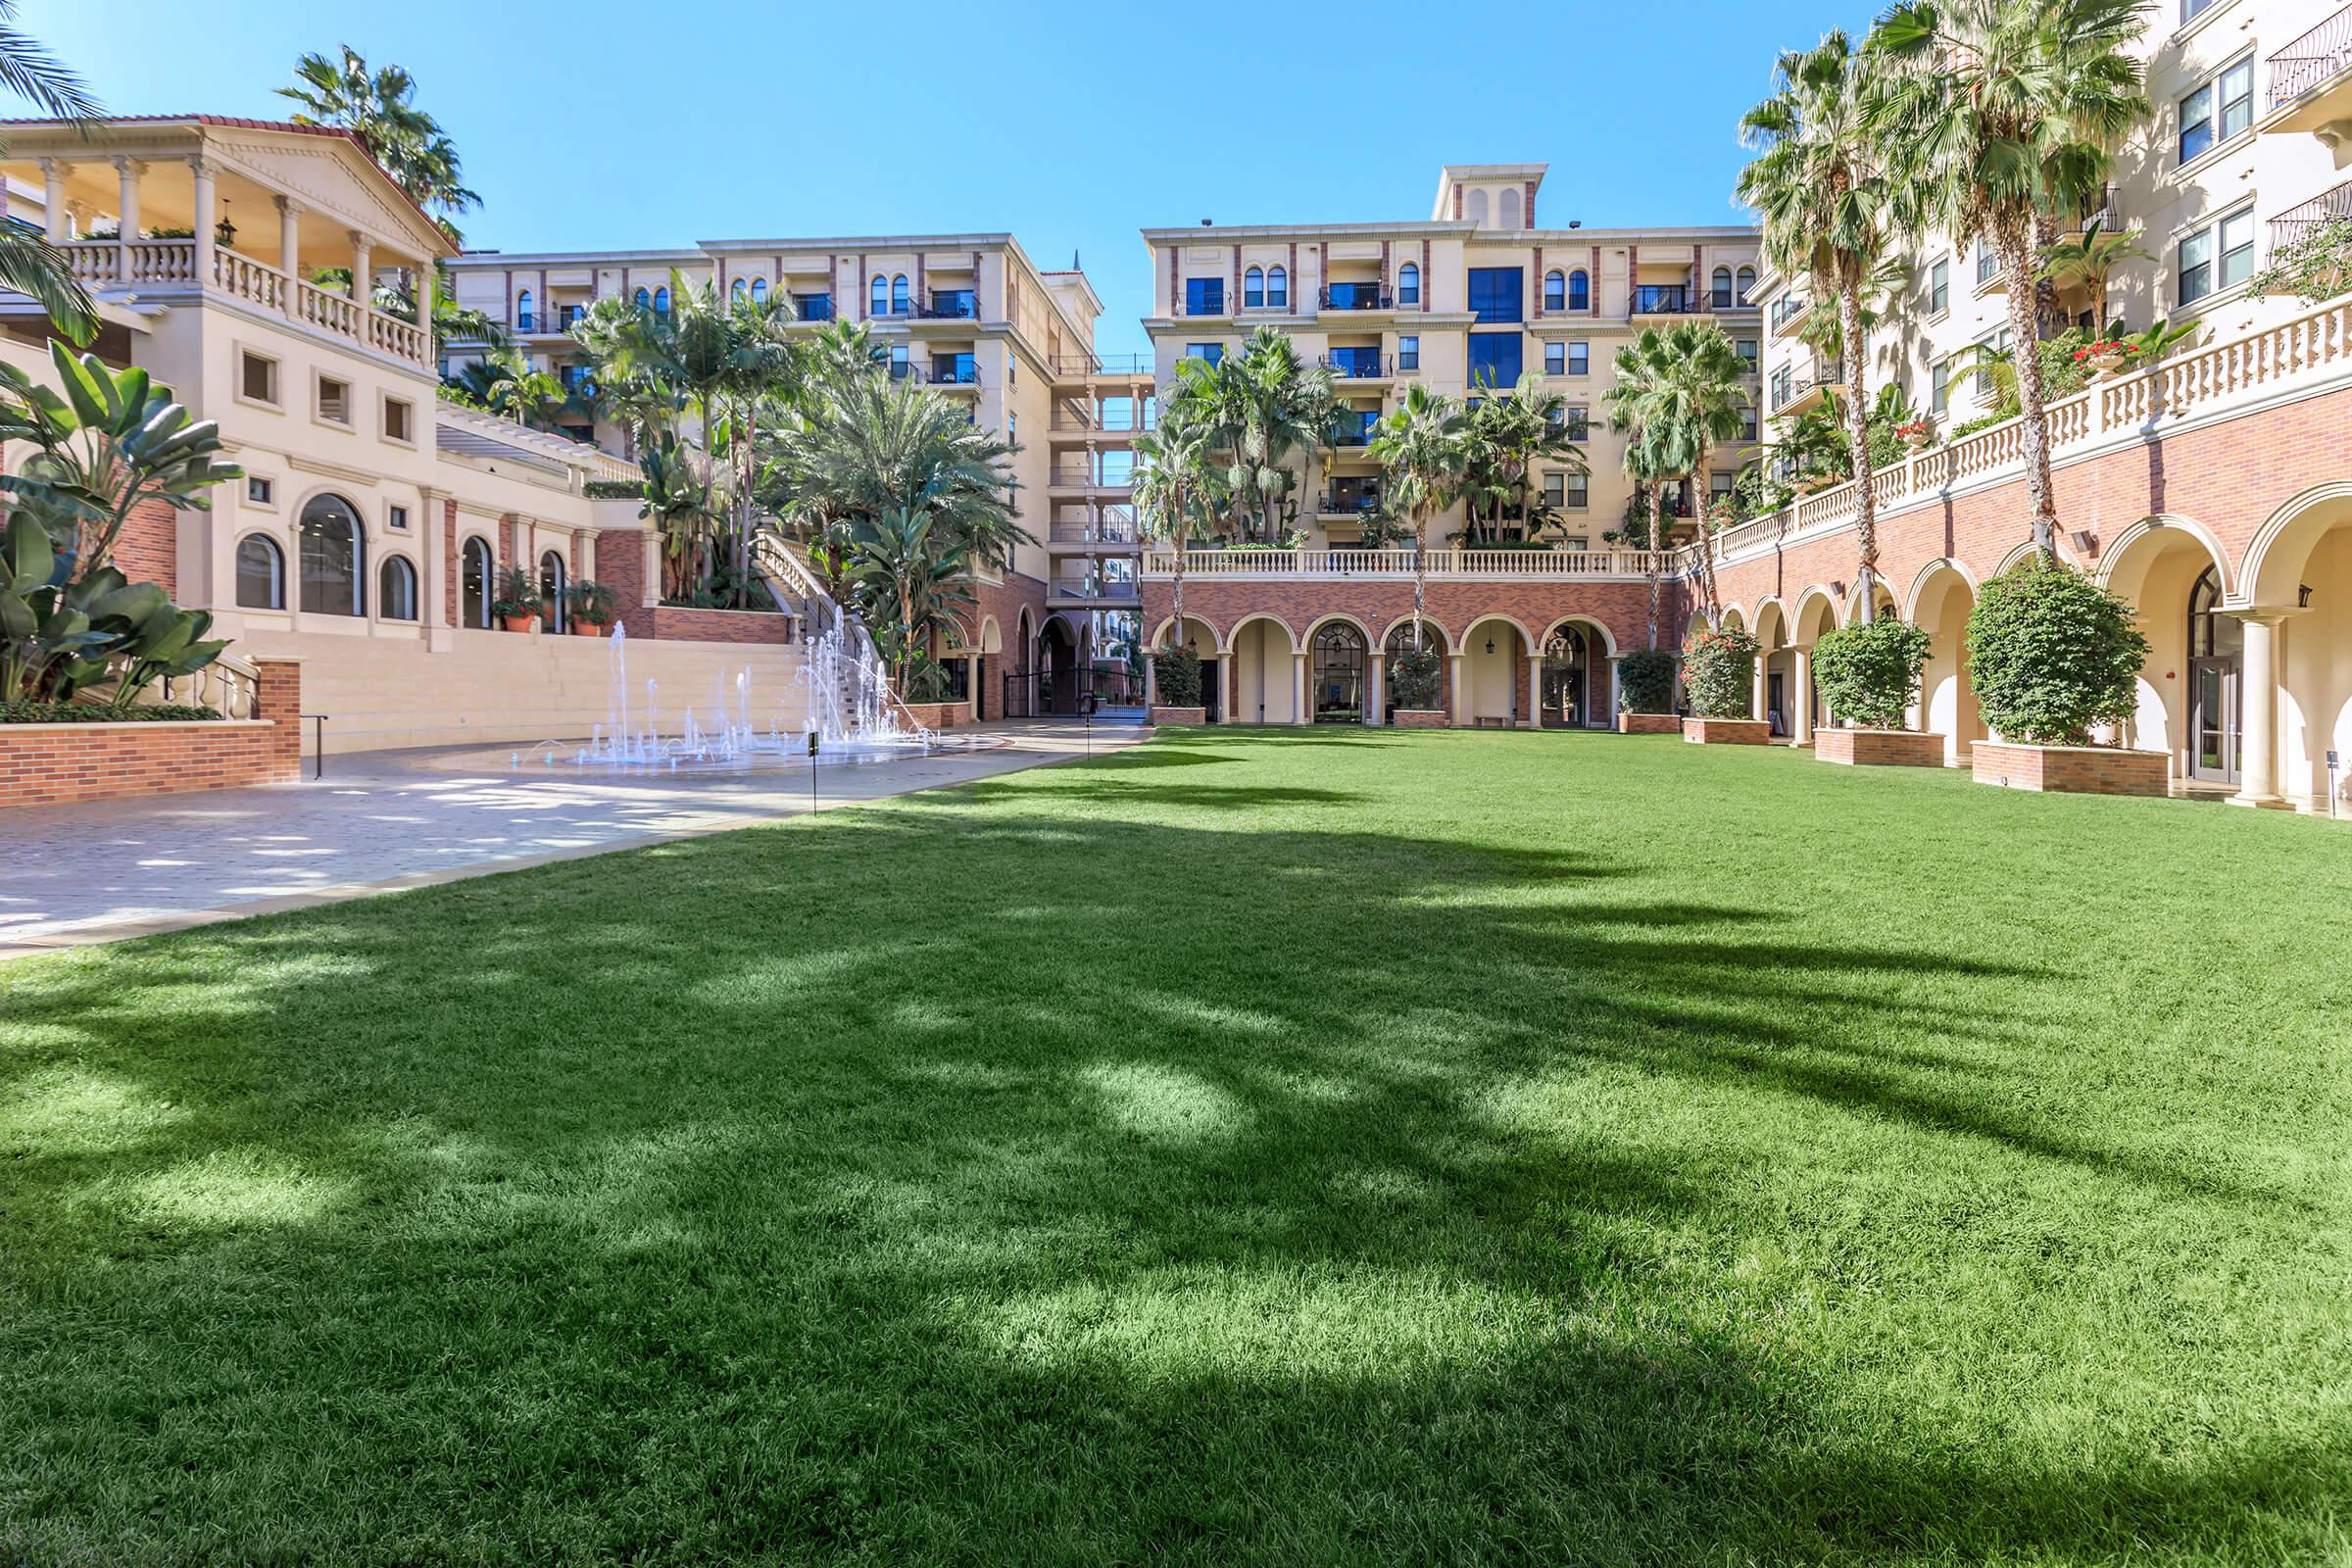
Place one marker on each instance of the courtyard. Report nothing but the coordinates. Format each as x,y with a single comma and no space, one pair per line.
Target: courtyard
1310,1146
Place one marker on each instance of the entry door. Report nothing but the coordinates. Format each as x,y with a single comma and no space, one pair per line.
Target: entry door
1564,695
1776,705
1212,690
2213,695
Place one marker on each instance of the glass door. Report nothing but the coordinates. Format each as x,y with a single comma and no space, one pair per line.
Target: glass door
2213,719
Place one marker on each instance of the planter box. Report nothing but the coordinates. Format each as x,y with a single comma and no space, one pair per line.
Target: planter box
680,624
1727,731
940,715
1649,724
585,629
1179,715
53,764
1878,748
1420,719
2070,770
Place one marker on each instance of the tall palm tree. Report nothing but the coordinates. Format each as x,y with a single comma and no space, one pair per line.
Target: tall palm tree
1265,405
1820,182
2001,113
913,585
377,107
1693,393
1507,436
29,264
506,385
1171,484
1627,404
1421,446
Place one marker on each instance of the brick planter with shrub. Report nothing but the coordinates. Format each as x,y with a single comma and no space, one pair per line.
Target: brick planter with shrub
2052,654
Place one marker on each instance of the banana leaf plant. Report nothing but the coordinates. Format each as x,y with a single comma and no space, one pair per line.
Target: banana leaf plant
60,635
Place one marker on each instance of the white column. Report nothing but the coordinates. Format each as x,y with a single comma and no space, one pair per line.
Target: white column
289,243
1460,714
1300,713
362,274
2258,704
204,222
53,200
1534,691
1800,701
1378,712
126,228
1755,695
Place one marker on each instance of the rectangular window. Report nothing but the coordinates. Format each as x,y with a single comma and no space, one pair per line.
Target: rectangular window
1497,293
396,518
1408,352
334,400
2219,256
398,415
1211,352
1580,359
1254,290
1204,296
1579,425
258,377
1494,359
1555,490
1986,263
261,492
1997,343
1719,483
1555,358
1579,493
1940,286
1747,421
1940,401
1782,380
1576,543
2192,10
2218,110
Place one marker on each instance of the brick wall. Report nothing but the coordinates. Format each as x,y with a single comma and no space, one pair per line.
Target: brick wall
51,765
1878,748
147,550
2072,769
1622,608
672,623
619,563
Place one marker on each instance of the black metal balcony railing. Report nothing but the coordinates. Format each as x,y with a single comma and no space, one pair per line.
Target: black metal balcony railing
952,305
813,307
1355,364
2312,61
1787,392
558,319
1787,307
2100,210
1668,299
2296,223
1353,297
1349,500
954,370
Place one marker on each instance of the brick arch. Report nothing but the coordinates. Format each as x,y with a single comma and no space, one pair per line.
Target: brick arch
1798,617
1608,639
1527,639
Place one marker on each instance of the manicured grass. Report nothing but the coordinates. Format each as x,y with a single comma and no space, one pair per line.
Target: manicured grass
1259,1146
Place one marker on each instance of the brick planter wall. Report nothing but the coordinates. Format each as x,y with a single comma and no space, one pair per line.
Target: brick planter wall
1179,715
51,765
1878,748
1421,718
2071,770
672,623
1649,724
1727,731
940,715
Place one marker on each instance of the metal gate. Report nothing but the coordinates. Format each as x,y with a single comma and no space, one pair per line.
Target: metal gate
1070,693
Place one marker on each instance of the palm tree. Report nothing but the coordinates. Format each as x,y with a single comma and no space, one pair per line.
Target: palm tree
2004,112
912,584
1421,446
1507,437
374,106
1263,405
1692,392
1821,185
29,264
1627,407
2091,259
1171,471
506,384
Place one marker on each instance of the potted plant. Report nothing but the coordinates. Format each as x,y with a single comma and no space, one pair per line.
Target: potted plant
517,606
1646,693
1413,685
1917,435
1868,674
593,606
1176,684
2109,357
1719,675
2052,654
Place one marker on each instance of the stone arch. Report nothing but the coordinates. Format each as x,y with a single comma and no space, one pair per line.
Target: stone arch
1938,603
1527,638
1735,616
1590,625
1578,694
2156,564
1816,610
2298,568
1307,638
1772,622
2273,579
1264,672
1927,575
2123,562
1883,600
1204,637
992,636
1498,683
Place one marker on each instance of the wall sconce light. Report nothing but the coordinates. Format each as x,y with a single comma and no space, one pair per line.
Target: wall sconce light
2085,542
2303,597
1489,645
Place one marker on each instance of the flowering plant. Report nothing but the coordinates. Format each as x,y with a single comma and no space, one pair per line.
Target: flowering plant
2100,350
1915,427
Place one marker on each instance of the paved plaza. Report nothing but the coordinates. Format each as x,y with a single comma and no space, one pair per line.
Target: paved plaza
101,871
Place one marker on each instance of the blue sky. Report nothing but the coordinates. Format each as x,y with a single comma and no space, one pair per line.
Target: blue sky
1071,126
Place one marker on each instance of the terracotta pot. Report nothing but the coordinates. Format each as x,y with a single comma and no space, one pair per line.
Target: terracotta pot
1919,441
586,628
521,623
2110,363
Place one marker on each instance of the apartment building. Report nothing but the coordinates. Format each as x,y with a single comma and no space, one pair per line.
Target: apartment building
1463,302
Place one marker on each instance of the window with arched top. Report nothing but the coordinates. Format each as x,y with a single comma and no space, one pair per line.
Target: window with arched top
1555,292
901,299
1409,284
330,557
1723,287
661,303
1506,211
261,573
522,311
759,291
1253,288
1748,285
550,591
473,598
878,296
1580,291
1477,210
644,301
739,291
396,590
1278,288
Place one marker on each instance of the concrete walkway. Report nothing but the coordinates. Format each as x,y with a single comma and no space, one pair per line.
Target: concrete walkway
75,874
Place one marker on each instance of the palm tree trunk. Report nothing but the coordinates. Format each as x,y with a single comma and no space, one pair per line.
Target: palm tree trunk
2012,238
1420,571
1857,438
1656,496
1706,541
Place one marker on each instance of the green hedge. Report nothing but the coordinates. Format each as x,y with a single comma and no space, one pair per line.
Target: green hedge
1177,678
95,713
1646,681
1719,672
1868,673
2051,653
615,489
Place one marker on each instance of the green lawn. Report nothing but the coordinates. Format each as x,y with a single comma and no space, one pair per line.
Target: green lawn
1257,1146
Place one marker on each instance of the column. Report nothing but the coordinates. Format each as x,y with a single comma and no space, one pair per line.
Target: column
1456,712
1800,701
427,281
127,230
1151,682
1756,687
363,274
1534,691
53,200
204,221
2258,703
1230,686
289,242
1300,713
1378,712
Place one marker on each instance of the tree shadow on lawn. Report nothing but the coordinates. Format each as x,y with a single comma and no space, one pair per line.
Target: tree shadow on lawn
938,1175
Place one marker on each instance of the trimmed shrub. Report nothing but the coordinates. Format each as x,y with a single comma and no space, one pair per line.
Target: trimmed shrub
1646,681
1868,673
1413,676
1719,672
1178,677
615,489
101,713
2051,653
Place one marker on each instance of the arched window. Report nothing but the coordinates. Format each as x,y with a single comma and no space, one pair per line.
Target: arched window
1748,285
759,291
261,573
550,591
522,311
1506,211
1580,291
1409,284
1555,292
1723,288
739,291
901,302
396,589
1278,288
1253,288
474,602
330,557
644,301
881,296
1478,209
661,303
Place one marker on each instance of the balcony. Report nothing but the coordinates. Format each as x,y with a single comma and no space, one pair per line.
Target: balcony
1800,394
813,307
1081,591
952,305
1092,533
1355,432
1336,564
2311,82
1788,310
1670,299
1355,365
548,323
1350,498
164,265
2100,210
1353,297
2297,223
954,370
